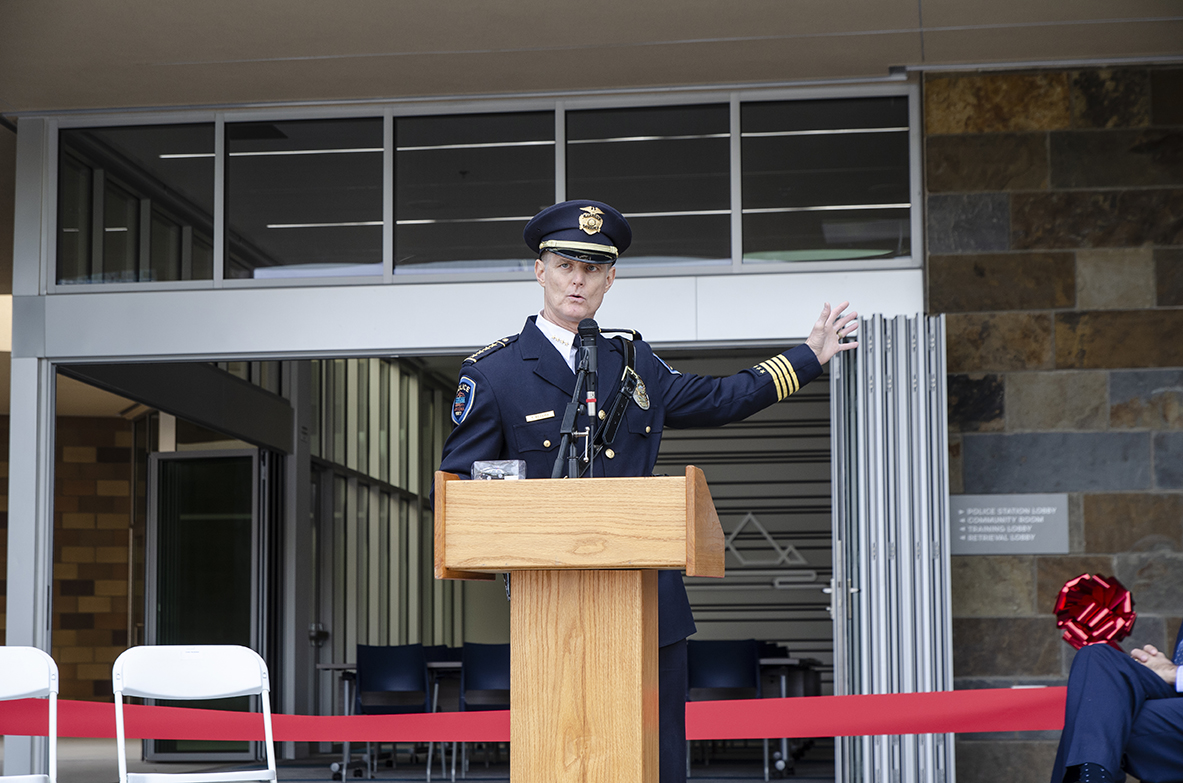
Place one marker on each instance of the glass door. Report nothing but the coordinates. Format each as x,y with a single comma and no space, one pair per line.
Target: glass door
203,572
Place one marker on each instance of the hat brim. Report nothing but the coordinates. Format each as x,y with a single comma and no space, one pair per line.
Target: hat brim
580,251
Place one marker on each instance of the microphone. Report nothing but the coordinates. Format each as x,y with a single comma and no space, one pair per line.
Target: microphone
587,337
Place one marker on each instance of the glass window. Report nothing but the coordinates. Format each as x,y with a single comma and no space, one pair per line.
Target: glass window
135,204
667,169
825,180
304,198
465,185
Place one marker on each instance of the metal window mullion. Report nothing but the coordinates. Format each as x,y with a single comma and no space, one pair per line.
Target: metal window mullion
219,238
351,417
736,155
374,550
916,173
47,262
352,556
388,196
560,151
98,194
145,238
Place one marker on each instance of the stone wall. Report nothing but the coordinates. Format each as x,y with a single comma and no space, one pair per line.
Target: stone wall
92,507
1055,247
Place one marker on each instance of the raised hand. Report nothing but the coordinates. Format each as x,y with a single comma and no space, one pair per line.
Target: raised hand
832,325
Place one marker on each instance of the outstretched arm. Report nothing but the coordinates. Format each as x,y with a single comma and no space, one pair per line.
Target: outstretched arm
832,325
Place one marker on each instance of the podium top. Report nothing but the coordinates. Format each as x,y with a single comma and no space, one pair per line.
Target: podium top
484,527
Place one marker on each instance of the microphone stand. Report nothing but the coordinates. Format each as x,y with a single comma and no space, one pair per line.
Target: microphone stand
567,445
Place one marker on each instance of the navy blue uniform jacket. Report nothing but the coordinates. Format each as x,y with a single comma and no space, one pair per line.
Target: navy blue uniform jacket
509,390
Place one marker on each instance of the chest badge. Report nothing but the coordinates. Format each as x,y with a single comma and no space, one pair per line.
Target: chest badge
592,220
641,396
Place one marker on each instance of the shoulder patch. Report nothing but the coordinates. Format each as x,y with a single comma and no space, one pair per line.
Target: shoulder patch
492,347
465,394
663,364
628,334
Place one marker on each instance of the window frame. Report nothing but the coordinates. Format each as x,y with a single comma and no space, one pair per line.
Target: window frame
389,110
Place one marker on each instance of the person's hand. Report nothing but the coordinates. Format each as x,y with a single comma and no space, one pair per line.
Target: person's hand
1152,658
832,325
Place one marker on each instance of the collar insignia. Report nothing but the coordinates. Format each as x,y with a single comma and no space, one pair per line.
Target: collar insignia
592,220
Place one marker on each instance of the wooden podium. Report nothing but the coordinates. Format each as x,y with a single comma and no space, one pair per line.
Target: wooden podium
584,554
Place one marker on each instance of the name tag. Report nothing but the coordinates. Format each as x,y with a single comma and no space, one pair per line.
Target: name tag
540,416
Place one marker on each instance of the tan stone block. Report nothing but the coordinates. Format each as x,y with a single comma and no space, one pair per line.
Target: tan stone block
1044,401
78,554
94,671
1001,281
986,342
1132,522
94,604
112,488
65,604
993,586
994,760
75,655
1103,339
1115,279
4,503
113,521
123,439
1051,572
1006,646
77,521
110,587
79,454
996,103
112,621
66,638
65,570
77,488
107,655
111,554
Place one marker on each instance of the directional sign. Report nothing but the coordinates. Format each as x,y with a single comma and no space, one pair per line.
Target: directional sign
1009,524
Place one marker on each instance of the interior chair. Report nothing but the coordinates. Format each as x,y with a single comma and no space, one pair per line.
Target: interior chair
393,680
28,673
189,672
723,669
484,685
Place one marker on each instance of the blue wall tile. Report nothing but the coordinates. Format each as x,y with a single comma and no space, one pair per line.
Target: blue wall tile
1056,462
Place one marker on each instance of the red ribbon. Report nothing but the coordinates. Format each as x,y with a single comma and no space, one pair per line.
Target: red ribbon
1002,709
1095,610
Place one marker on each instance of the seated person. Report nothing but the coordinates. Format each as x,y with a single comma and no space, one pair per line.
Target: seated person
1122,716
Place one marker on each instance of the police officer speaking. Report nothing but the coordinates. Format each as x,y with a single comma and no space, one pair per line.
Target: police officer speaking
513,393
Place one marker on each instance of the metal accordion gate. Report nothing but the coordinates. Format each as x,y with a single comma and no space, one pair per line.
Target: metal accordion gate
890,591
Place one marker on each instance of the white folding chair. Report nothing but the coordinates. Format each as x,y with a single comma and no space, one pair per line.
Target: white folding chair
191,672
25,673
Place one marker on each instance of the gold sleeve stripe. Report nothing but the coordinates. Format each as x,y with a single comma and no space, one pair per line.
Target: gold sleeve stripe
792,373
774,372
790,379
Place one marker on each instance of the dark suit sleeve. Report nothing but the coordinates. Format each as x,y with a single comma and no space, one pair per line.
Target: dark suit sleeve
478,434
703,401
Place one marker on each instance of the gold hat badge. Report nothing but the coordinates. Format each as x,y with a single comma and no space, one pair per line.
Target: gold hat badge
591,221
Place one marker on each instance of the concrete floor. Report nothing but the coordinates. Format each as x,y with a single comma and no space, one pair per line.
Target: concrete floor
94,761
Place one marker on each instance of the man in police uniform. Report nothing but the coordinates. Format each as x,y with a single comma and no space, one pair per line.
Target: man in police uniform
513,394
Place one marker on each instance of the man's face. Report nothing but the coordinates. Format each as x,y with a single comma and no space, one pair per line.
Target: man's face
572,290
